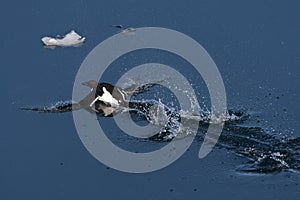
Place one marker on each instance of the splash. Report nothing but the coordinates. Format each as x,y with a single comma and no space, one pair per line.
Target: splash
265,152
58,107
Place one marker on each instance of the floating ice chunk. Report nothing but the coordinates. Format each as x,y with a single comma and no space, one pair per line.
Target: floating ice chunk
71,39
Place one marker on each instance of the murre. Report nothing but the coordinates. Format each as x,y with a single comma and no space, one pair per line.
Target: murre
124,29
104,92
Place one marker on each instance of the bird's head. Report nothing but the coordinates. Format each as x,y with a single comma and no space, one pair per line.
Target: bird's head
90,83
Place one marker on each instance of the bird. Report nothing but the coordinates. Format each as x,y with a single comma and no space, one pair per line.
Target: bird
120,26
124,29
108,94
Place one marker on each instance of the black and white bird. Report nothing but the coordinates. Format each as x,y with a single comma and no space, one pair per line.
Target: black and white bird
125,29
103,98
104,92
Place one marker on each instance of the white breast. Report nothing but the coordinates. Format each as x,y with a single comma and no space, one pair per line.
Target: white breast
108,98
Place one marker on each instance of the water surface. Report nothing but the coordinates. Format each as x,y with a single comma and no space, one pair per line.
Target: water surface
255,46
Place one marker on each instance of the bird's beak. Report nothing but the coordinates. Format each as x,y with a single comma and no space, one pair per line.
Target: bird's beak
85,83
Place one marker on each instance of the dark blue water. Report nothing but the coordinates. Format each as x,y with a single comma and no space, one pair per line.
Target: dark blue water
254,44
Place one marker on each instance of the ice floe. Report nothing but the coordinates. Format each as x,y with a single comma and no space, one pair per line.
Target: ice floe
70,39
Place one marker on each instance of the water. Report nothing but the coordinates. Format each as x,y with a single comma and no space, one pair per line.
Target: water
255,46
266,152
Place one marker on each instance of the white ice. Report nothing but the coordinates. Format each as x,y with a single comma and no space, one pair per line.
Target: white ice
70,39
